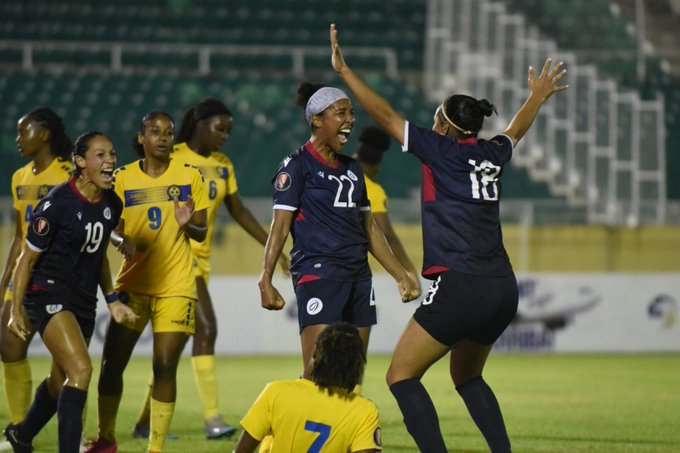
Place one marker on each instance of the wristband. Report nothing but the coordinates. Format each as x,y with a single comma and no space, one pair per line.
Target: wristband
111,298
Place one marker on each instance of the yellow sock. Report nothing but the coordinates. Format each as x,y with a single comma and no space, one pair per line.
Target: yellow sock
358,389
145,414
206,382
161,416
266,444
108,410
18,383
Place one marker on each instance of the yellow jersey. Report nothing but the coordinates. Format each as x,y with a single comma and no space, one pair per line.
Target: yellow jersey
376,195
162,265
302,417
29,188
220,181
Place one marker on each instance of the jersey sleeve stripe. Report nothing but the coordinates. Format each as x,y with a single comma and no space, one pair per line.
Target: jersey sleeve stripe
284,207
33,247
404,147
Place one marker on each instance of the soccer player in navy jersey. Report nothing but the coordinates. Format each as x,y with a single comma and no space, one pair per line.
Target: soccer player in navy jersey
474,293
55,288
320,197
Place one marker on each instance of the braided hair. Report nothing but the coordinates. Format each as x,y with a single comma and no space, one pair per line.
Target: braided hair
60,144
339,358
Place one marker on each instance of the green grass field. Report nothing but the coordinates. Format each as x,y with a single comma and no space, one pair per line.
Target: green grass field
566,403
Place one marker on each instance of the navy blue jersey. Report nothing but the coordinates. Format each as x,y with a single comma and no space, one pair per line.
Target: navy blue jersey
460,195
72,235
329,240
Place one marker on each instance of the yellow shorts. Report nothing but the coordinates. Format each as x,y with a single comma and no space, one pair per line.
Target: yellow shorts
202,268
167,314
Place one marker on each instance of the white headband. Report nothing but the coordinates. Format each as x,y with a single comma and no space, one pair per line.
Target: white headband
321,100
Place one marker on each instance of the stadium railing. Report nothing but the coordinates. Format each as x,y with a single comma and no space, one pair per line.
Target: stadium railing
599,146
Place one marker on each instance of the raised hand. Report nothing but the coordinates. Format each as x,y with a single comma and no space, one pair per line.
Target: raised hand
183,213
337,60
547,82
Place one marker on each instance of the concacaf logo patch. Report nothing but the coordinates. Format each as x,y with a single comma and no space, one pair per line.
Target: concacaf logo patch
282,182
41,226
377,437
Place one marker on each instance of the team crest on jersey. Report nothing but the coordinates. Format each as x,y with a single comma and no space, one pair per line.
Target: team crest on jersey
43,190
377,437
314,306
41,226
282,182
53,308
107,213
174,191
320,173
352,176
21,191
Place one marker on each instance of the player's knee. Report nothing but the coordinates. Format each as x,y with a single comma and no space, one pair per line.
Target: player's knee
164,368
79,373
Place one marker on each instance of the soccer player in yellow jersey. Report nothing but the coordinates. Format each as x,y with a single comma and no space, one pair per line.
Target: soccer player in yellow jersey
41,136
373,142
205,129
322,414
165,205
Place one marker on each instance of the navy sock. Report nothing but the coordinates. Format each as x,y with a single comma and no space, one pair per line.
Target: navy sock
70,414
420,416
484,409
40,412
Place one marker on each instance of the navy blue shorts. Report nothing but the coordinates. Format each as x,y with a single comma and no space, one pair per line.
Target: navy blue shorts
41,306
328,301
461,306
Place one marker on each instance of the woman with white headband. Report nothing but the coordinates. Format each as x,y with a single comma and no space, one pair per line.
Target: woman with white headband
474,294
320,197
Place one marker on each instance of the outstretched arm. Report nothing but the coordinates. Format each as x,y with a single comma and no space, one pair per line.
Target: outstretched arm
540,90
375,105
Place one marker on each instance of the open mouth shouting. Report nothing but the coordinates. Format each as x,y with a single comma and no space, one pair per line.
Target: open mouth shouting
343,135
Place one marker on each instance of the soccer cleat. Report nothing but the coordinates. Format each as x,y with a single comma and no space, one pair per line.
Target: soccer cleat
102,446
142,432
217,428
13,439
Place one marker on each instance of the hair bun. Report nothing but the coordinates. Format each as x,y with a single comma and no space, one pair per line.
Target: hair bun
486,108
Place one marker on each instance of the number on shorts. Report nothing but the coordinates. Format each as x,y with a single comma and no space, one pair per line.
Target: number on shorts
324,433
434,287
155,218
